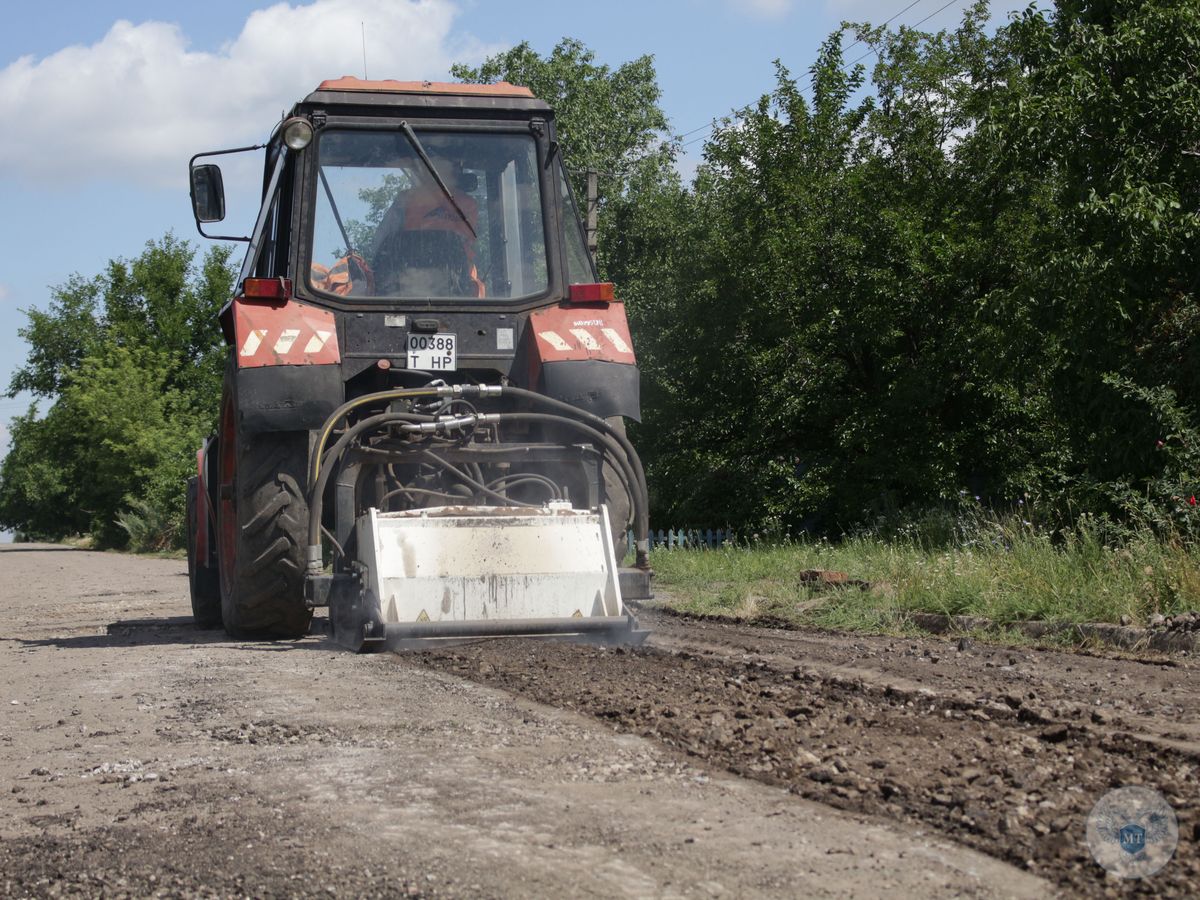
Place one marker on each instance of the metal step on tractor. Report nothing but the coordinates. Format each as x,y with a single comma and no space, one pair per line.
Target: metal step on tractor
422,420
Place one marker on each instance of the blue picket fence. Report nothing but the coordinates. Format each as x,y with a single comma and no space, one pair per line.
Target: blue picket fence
688,538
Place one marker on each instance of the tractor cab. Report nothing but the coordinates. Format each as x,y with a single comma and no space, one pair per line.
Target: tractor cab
398,200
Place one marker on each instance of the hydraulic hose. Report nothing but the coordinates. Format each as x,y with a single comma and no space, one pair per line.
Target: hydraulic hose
416,422
625,467
518,478
617,445
431,457
350,405
425,492
316,500
641,529
590,418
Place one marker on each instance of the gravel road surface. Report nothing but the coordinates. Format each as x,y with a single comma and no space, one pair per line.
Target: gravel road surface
142,756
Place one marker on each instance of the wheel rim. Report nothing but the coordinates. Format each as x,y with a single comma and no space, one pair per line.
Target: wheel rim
226,511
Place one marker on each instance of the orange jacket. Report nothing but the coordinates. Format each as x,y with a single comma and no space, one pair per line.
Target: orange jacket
427,209
338,279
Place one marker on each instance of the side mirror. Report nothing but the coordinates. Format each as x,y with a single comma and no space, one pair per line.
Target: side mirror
208,194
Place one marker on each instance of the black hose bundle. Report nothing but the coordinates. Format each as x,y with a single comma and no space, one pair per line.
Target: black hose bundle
613,442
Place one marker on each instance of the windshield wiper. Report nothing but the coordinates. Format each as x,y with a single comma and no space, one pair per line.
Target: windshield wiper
416,145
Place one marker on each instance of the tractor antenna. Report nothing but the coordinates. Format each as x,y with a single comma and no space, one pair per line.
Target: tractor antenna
363,26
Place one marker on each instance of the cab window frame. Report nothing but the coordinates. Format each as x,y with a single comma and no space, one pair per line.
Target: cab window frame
305,217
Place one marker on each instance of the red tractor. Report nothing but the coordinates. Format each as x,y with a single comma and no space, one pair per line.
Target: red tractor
422,421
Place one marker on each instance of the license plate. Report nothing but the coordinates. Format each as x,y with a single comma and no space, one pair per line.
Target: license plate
433,352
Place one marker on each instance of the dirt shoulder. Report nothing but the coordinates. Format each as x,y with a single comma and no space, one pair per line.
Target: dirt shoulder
156,758
1155,696
1003,750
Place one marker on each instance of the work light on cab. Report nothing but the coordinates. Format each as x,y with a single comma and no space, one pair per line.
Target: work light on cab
297,133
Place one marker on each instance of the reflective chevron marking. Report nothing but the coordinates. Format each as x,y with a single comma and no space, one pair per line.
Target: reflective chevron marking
585,338
317,341
286,338
290,335
554,340
253,340
616,340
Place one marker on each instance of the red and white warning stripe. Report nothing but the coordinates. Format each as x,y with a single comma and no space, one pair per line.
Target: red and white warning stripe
288,335
254,340
562,334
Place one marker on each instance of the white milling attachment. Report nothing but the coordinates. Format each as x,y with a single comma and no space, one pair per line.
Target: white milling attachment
490,564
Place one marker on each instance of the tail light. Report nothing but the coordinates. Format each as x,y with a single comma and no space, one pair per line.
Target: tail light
600,292
279,289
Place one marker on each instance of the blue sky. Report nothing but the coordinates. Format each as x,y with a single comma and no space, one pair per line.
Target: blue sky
105,102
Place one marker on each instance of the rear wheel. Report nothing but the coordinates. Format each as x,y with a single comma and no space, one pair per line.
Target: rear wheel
203,581
262,523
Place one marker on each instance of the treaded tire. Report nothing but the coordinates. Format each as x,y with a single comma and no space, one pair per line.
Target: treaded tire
204,584
263,518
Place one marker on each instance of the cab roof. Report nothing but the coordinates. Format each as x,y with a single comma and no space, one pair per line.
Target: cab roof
374,97
499,89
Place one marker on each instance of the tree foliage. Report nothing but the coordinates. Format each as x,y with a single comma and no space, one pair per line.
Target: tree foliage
132,361
970,271
1100,140
608,119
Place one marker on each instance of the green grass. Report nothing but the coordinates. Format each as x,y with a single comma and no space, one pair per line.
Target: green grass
1007,574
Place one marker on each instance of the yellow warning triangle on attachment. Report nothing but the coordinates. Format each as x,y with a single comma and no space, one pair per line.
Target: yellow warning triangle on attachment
577,615
423,617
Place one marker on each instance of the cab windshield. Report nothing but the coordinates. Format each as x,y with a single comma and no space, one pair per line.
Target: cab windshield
385,227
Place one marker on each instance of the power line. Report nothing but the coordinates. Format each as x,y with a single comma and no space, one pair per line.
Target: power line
859,59
856,61
737,113
709,124
888,22
713,122
934,13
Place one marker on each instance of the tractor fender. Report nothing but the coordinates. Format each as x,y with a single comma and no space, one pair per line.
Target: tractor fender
583,355
287,364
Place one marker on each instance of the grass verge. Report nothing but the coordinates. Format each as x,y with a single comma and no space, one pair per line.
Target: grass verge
1020,576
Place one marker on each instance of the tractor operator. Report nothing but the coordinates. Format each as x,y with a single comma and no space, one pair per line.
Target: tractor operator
423,245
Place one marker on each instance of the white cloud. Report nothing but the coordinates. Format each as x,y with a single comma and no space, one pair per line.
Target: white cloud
4,292
764,9
138,103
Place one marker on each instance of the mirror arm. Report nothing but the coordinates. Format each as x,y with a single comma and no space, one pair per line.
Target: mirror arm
192,165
